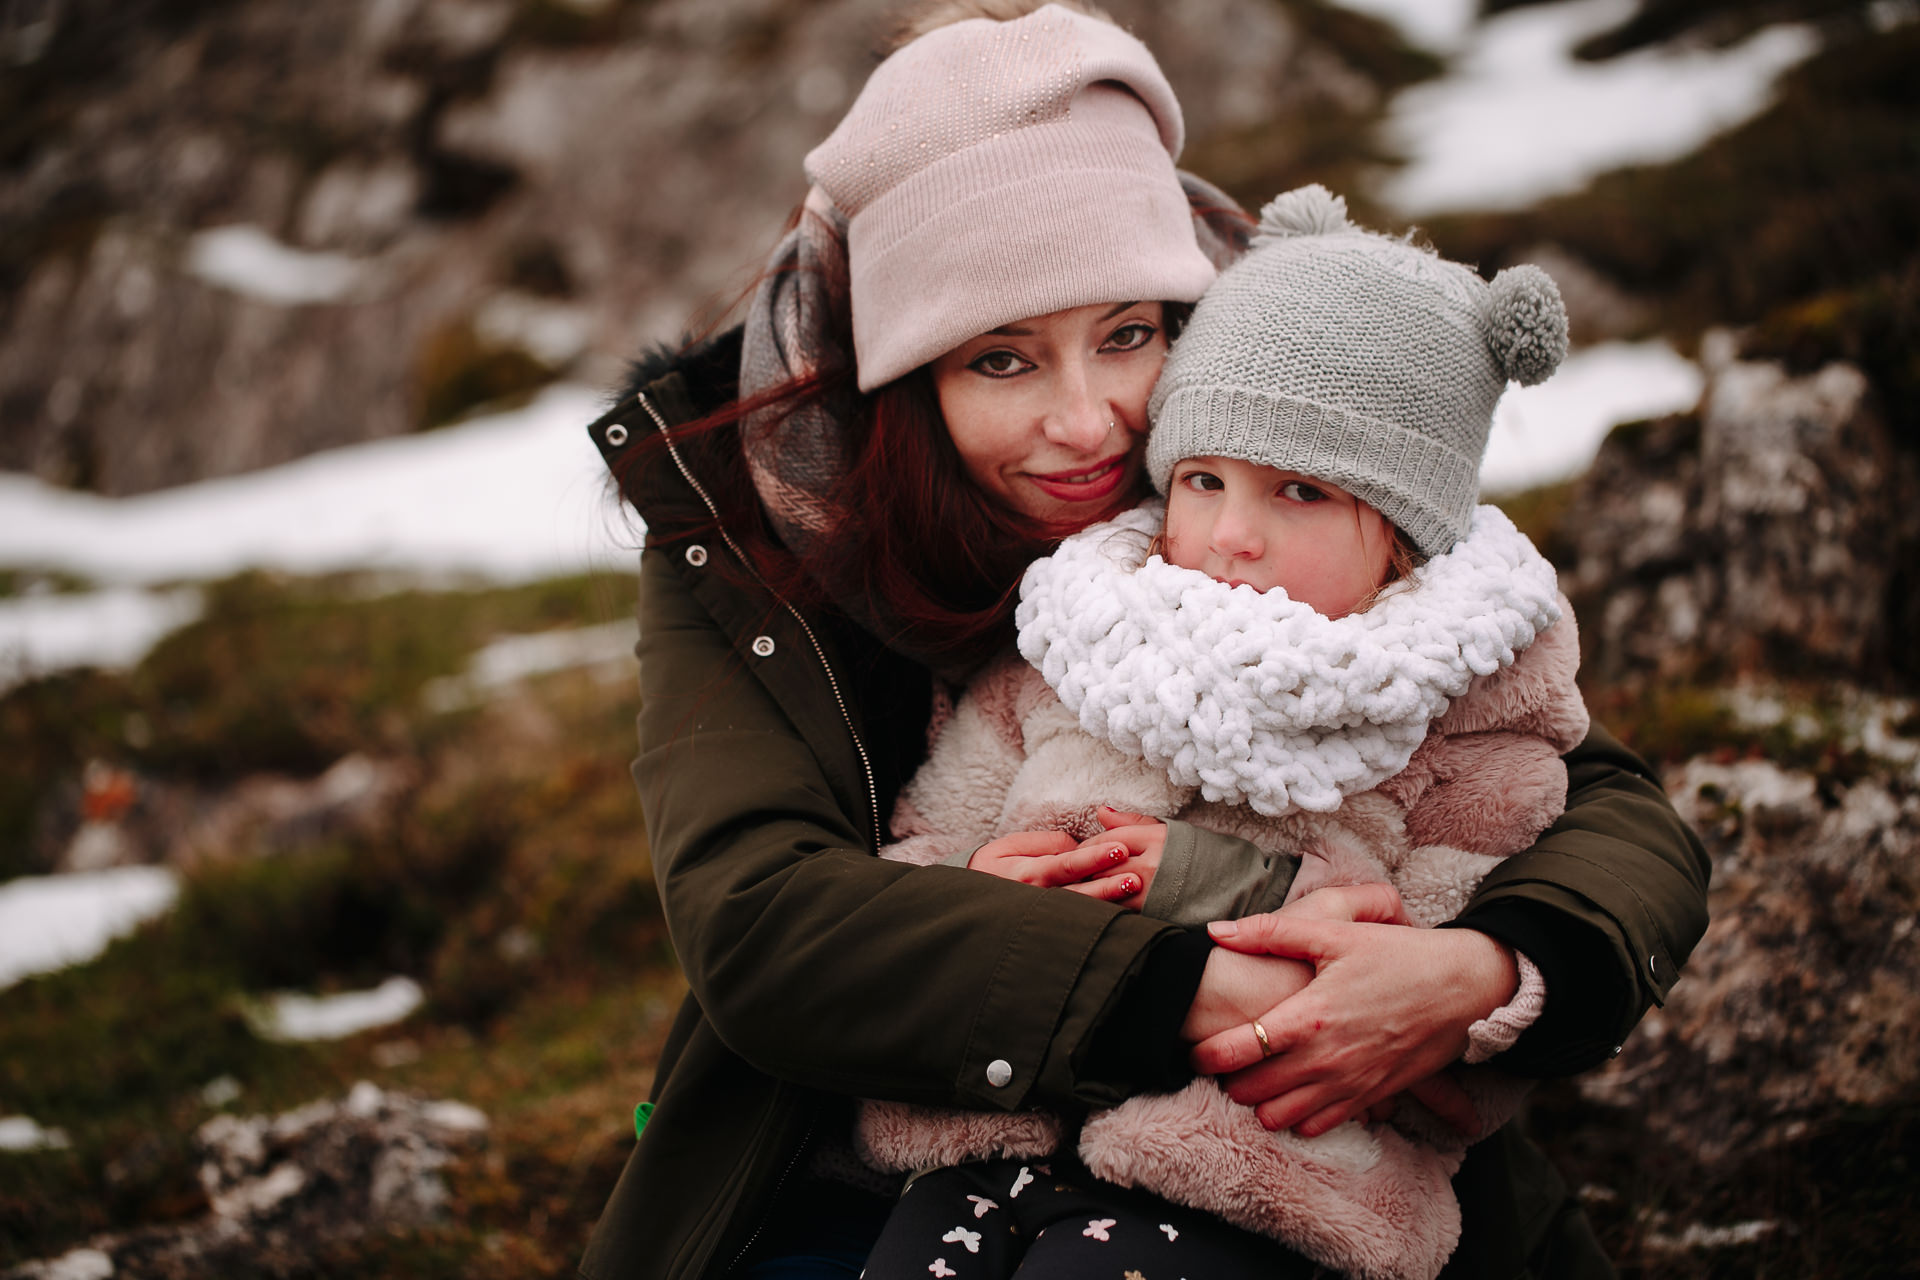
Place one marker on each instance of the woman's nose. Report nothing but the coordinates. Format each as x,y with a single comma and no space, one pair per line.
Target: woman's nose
1080,417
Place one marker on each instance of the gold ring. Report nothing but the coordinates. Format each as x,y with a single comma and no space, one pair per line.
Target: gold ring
1260,1034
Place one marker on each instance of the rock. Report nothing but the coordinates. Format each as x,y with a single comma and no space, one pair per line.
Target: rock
1800,1001
120,818
1768,532
643,155
281,1186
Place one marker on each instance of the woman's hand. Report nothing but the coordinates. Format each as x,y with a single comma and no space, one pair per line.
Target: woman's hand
1387,1008
1241,984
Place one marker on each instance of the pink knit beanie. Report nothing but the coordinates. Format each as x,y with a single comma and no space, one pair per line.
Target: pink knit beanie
993,171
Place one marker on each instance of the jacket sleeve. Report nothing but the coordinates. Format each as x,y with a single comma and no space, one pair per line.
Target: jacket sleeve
1207,875
1609,902
814,960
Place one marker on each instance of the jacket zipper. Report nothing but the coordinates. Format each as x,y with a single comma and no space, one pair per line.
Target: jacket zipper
866,765
806,1139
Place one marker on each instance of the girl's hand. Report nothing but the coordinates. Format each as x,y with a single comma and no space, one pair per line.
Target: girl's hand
1143,839
1052,859
1388,1008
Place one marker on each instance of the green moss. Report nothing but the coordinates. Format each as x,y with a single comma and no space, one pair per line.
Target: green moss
1875,326
24,582
1668,723
276,675
456,371
1540,513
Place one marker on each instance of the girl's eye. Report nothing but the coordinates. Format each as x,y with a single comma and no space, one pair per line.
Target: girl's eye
1130,336
1300,491
999,364
1203,481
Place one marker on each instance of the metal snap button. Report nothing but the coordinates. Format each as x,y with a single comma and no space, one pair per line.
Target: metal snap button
763,646
999,1073
696,555
1616,1050
1653,967
617,434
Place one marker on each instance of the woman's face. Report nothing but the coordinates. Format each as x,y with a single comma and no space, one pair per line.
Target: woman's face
1048,414
1243,523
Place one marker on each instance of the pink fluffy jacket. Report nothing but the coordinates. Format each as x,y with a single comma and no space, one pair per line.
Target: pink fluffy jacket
1416,744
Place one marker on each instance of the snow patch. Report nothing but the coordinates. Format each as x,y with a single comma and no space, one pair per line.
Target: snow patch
1518,118
1550,432
246,260
511,497
23,1133
1698,1235
75,1264
290,1016
50,922
112,629
1437,25
511,659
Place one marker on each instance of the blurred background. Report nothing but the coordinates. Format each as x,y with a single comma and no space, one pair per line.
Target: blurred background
328,941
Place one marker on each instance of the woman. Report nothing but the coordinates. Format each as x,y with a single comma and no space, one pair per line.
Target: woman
959,336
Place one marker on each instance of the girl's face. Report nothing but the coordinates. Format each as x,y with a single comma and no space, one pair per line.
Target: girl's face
1049,414
1241,522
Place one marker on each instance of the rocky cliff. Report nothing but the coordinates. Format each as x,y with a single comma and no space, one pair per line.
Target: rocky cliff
451,201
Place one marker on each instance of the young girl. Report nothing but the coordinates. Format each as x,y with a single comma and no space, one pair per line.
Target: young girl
1320,645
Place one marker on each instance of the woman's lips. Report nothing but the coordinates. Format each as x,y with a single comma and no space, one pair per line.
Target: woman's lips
1084,484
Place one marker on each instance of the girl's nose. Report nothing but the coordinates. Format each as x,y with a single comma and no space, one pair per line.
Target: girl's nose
1236,533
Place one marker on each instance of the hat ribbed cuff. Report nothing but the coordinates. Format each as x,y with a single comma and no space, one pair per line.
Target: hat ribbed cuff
938,260
1425,489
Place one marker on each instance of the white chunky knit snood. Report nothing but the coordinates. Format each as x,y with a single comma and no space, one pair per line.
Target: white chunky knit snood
1253,697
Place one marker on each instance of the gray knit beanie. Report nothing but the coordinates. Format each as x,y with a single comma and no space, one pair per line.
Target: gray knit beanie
1357,359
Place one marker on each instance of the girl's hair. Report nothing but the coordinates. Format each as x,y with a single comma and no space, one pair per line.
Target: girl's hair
1402,559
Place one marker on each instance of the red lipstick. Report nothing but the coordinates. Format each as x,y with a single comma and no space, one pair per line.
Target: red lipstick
1084,484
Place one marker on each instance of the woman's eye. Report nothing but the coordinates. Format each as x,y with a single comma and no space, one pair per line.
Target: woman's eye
1203,481
999,364
1297,491
1131,337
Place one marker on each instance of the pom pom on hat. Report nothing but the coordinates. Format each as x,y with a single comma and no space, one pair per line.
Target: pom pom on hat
1526,324
1304,211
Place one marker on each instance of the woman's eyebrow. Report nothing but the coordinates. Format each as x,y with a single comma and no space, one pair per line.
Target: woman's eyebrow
1015,331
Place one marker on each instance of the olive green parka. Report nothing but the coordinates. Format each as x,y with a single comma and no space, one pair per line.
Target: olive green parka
772,742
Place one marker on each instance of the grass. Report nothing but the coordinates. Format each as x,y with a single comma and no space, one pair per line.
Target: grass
279,675
513,882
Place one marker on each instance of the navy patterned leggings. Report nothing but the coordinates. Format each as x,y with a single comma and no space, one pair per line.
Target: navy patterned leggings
1052,1220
